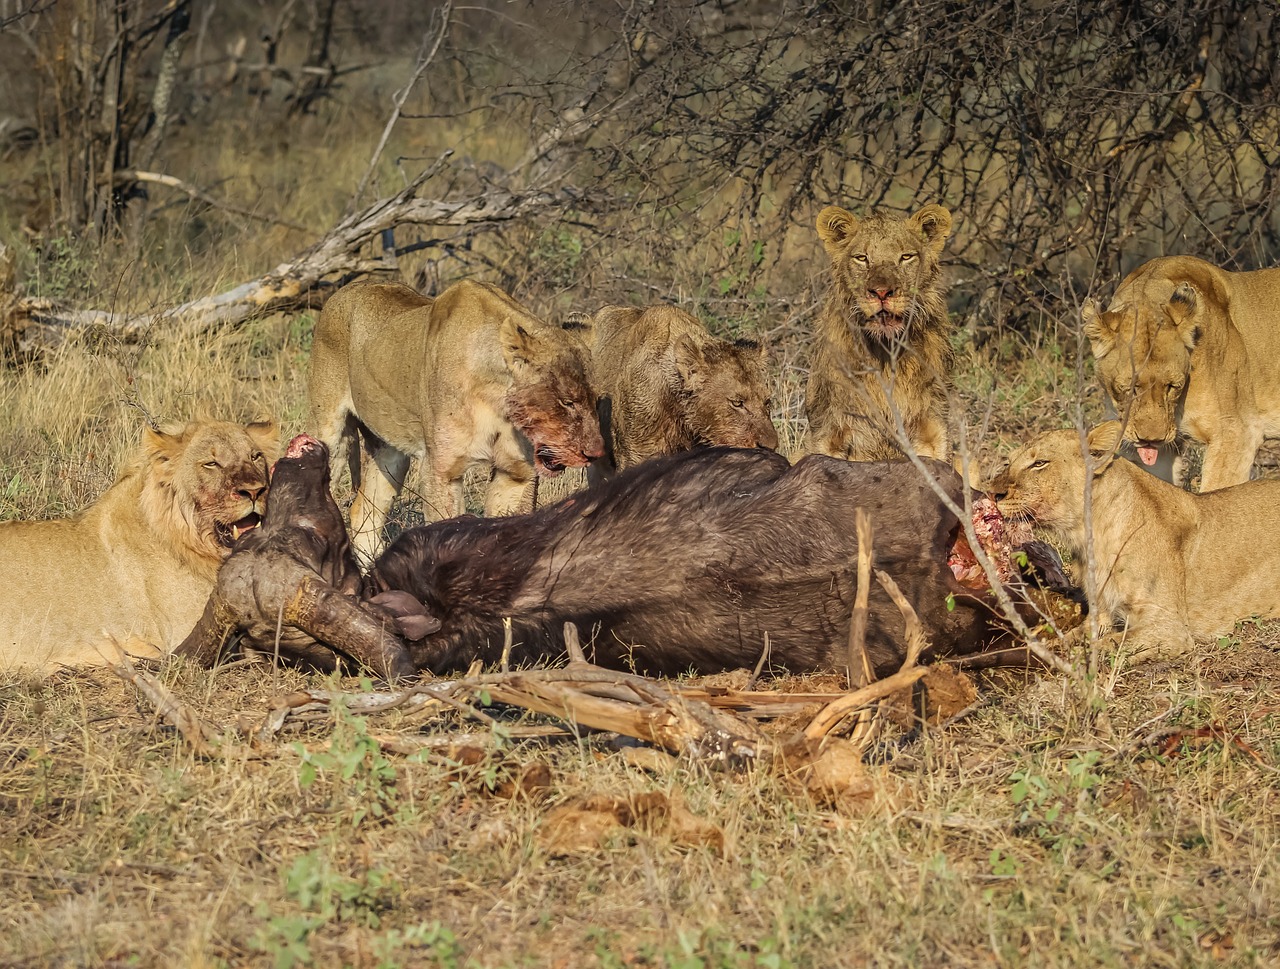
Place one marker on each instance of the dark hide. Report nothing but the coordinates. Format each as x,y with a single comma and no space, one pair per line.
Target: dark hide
292,584
687,561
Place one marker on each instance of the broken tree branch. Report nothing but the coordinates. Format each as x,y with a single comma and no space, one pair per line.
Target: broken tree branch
35,325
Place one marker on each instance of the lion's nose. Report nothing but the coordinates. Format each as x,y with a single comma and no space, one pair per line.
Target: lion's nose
252,493
882,294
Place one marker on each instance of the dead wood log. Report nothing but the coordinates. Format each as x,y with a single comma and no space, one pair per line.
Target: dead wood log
32,325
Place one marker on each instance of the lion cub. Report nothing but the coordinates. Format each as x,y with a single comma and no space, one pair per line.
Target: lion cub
667,385
469,377
1173,564
884,337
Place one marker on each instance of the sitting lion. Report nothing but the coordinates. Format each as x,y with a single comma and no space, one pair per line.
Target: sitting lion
469,377
668,385
884,338
1188,347
139,563
1169,562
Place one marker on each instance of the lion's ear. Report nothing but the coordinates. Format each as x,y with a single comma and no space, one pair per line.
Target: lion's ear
1103,442
751,347
1184,309
835,225
688,362
935,222
266,435
518,343
1101,337
163,446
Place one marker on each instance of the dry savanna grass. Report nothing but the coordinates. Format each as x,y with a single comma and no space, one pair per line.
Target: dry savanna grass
1131,819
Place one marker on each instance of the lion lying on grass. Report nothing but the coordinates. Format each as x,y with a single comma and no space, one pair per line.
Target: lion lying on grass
1174,565
139,563
1186,347
470,377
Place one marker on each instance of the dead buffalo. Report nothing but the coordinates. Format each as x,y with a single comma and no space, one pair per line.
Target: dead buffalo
688,562
292,585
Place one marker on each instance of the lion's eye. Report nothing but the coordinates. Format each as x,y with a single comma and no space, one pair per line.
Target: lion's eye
256,456
859,257
737,402
567,404
907,256
1038,465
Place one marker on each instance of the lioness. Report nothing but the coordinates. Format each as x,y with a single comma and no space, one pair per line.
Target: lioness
1169,562
1186,346
470,377
671,385
140,562
883,340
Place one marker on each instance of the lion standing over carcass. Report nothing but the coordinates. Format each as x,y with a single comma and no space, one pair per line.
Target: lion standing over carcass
469,377
1188,347
668,385
884,338
139,563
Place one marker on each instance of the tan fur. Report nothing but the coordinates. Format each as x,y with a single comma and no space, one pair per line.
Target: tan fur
470,377
1173,564
884,337
668,385
140,562
1188,347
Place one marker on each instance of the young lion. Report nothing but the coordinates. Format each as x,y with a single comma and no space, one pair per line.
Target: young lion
669,385
139,563
1186,347
1167,561
470,377
883,340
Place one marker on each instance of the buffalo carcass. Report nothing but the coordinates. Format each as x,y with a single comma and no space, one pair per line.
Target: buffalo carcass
689,561
292,587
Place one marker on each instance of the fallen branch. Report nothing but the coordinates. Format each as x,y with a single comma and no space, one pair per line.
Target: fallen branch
31,325
128,175
837,710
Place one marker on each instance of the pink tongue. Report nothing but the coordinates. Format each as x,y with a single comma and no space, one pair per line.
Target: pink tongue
1148,454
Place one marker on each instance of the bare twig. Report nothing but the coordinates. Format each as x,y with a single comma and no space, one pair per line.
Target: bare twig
425,57
860,672
126,175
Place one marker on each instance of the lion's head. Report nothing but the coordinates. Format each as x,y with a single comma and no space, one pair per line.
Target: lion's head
205,485
550,400
1044,482
723,392
885,271
1143,345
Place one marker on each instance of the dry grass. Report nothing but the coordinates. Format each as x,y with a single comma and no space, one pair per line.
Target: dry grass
1144,844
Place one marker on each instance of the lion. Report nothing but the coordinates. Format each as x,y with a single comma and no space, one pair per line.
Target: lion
138,564
1169,563
469,377
1188,348
668,385
883,339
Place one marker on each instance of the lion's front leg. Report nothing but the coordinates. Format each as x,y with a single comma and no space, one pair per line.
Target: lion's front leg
381,479
929,439
1228,458
509,491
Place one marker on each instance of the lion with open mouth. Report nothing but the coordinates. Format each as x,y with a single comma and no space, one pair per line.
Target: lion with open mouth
137,565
